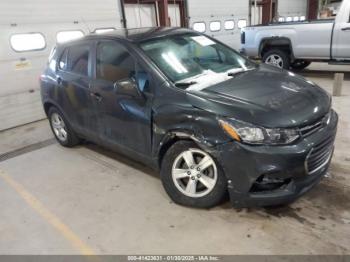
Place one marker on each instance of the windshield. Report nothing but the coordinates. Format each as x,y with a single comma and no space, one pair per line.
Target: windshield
190,57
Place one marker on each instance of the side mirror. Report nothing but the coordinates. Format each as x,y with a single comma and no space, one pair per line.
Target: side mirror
127,87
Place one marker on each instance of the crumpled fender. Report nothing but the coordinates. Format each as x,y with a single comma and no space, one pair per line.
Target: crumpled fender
186,122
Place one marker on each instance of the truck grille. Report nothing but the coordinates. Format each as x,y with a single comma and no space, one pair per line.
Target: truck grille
310,129
319,156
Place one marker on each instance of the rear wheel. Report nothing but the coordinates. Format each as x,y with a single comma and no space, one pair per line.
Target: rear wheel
300,64
192,177
61,128
277,57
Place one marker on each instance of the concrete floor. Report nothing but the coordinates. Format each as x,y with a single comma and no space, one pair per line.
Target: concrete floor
88,200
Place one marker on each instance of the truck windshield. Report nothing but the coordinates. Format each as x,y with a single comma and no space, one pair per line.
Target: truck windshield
186,57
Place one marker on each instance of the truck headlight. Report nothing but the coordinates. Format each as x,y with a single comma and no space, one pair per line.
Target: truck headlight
250,134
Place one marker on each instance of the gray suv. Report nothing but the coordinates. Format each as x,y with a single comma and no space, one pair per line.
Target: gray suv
210,120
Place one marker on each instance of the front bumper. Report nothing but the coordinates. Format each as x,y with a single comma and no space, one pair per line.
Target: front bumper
273,175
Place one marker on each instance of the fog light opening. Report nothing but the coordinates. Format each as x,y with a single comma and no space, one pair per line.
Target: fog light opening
269,182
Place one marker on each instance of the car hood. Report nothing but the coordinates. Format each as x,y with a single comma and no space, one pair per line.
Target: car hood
266,96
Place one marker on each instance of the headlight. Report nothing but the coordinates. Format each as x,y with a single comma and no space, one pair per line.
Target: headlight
251,134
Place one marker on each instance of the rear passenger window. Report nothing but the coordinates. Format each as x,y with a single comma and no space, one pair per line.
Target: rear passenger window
114,62
78,59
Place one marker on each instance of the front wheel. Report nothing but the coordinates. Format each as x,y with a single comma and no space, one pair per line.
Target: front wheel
192,177
277,58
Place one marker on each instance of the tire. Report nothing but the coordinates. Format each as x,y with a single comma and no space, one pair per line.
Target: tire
277,57
300,64
213,176
60,126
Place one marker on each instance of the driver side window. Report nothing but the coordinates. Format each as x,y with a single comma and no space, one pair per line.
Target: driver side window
114,62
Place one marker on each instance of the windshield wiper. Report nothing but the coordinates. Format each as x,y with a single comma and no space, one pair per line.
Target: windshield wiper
185,84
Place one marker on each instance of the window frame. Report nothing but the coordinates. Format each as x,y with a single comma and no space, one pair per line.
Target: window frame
230,20
200,22
30,50
63,31
215,21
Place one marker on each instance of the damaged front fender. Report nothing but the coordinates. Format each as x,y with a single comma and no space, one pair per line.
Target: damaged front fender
173,122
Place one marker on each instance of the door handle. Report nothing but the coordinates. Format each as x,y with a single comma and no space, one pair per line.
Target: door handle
345,29
97,96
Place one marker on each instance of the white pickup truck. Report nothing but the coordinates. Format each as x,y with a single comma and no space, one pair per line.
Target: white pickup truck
297,44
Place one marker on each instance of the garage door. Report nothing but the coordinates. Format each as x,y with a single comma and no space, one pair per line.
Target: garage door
222,19
27,36
140,15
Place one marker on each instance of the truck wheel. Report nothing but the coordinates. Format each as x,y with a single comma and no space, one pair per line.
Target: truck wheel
61,129
277,58
192,177
300,64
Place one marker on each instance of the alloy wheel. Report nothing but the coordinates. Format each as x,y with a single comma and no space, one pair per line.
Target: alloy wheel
59,127
274,60
194,173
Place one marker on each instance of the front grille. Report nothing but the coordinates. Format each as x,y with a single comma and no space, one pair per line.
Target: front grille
319,156
310,129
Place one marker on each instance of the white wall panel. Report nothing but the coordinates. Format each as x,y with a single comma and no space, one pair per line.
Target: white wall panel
143,15
205,8
292,8
19,85
220,10
174,14
49,11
